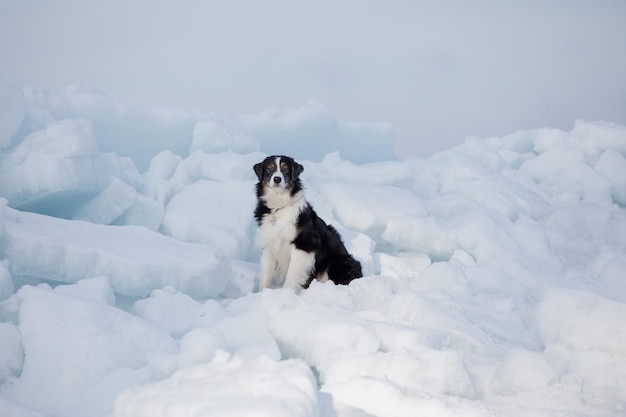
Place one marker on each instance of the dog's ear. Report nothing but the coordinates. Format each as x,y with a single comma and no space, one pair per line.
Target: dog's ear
258,169
297,170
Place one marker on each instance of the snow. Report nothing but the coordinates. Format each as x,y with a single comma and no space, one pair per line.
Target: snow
494,271
135,259
282,389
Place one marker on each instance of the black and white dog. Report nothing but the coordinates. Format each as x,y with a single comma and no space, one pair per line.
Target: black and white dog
297,245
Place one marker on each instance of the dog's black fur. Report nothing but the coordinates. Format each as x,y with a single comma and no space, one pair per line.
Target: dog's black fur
297,245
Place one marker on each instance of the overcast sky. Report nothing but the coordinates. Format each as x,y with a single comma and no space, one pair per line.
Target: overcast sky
437,71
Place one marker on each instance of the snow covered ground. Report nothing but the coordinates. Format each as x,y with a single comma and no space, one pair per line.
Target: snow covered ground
495,272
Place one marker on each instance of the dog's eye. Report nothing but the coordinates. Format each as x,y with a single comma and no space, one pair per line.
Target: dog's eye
269,169
284,168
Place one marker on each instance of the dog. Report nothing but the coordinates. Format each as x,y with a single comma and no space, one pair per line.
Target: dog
297,246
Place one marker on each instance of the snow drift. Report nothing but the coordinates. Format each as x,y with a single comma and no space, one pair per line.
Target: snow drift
494,271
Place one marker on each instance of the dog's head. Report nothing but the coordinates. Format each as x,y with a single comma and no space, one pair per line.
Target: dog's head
279,173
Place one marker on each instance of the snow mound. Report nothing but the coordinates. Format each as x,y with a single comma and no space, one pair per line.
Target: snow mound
128,267
135,259
308,131
582,321
271,388
56,168
214,213
106,347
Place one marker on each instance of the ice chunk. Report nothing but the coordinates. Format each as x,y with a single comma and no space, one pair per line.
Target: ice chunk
176,312
156,180
58,160
612,166
579,231
608,268
55,170
364,396
524,370
311,131
243,278
248,336
199,346
228,386
220,135
596,137
361,247
584,337
545,140
405,267
69,138
109,204
135,259
420,234
328,336
169,174
367,209
73,344
6,283
95,289
162,166
445,277
564,165
144,212
12,353
221,167
218,214
335,169
127,130
582,321
120,204
431,371
564,175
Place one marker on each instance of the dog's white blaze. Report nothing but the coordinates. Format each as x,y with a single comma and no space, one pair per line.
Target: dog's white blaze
278,173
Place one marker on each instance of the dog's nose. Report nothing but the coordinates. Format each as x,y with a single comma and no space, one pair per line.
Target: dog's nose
277,180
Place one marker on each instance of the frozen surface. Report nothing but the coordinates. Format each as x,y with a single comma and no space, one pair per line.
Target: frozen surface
136,259
495,271
273,388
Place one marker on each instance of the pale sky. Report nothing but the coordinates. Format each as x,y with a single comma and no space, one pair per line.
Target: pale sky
437,71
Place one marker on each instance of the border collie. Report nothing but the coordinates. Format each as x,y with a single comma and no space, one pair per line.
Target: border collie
297,245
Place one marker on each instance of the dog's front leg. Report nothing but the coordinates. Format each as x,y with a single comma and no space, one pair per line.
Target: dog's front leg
300,267
268,269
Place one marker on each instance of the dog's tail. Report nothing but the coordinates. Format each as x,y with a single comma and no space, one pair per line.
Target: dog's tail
344,269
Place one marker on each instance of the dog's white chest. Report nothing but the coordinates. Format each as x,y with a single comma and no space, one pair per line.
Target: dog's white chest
278,228
276,236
